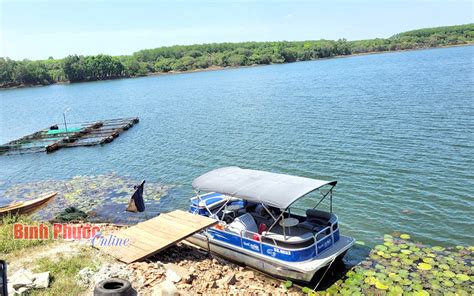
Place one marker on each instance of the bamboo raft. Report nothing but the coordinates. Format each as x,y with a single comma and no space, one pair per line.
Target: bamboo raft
75,135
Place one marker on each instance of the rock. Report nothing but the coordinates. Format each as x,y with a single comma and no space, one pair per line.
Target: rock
165,288
253,287
22,278
212,285
182,272
116,270
22,291
84,276
230,279
172,276
41,280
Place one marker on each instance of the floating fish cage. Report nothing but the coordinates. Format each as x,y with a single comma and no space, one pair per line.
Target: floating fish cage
74,135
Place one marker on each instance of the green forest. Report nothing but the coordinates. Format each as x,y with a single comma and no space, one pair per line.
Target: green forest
76,68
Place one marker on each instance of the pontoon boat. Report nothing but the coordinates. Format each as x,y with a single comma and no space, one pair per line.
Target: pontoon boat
259,225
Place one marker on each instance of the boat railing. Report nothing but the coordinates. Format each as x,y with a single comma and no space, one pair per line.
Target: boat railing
253,236
256,238
324,230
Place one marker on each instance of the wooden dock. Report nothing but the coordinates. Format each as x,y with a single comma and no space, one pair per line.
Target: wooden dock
74,135
150,237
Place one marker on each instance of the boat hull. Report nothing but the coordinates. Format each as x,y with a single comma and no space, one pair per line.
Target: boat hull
27,207
299,271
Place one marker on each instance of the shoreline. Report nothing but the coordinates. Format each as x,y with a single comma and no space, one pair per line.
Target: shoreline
220,68
397,264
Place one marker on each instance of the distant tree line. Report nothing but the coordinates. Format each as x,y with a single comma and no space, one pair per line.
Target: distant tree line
76,68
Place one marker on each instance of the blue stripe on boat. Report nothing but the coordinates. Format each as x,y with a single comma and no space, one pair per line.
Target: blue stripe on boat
269,250
208,199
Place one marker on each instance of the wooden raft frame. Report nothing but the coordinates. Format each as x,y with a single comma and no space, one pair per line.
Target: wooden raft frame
89,134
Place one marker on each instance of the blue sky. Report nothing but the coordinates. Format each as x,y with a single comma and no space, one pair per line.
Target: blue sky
37,29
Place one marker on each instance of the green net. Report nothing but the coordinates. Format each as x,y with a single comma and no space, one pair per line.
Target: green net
62,130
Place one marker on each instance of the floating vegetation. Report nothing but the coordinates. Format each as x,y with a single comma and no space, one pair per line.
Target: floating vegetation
102,197
401,266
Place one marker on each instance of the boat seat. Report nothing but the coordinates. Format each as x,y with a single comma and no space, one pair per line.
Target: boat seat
214,201
290,239
211,200
244,222
320,217
310,226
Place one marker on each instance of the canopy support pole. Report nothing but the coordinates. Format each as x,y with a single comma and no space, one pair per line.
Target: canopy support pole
330,198
276,220
324,196
268,211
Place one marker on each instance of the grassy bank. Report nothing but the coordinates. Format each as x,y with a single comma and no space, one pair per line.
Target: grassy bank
64,270
62,259
8,244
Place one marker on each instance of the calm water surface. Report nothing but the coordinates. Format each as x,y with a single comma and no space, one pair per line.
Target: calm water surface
394,129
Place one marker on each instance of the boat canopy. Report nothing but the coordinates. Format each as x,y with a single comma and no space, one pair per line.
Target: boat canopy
277,190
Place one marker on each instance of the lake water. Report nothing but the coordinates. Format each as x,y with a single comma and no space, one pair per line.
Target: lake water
396,131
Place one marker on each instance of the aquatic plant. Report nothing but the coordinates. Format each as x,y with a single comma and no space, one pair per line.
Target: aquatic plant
102,196
401,266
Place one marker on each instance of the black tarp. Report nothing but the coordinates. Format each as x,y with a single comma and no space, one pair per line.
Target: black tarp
137,204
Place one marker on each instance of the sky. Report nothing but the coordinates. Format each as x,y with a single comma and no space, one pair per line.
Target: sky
38,29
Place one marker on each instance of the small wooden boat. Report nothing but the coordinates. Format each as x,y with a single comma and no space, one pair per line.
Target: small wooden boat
28,206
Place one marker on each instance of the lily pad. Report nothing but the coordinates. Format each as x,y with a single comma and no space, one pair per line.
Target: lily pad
421,293
395,290
405,282
395,263
428,260
381,286
447,283
405,236
399,266
444,266
449,274
424,266
462,277
370,280
403,273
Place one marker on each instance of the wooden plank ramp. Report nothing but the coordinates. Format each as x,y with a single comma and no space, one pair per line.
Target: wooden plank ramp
150,237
